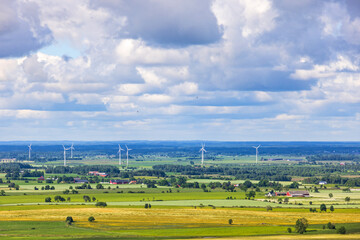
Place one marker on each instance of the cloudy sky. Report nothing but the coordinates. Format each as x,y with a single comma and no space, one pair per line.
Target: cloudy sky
239,70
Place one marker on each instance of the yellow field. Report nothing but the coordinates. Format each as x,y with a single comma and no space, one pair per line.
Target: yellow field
179,216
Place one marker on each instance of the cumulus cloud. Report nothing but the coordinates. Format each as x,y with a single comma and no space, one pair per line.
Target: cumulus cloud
207,66
21,31
159,22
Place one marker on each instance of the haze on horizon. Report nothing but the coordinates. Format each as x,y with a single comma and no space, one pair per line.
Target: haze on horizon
251,70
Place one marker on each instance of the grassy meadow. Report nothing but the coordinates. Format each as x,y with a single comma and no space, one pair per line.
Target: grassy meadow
175,213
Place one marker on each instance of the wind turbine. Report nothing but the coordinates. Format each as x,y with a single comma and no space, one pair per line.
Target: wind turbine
71,150
65,149
257,152
127,155
119,152
29,151
202,150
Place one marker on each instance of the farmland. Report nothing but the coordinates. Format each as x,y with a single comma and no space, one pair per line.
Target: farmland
172,197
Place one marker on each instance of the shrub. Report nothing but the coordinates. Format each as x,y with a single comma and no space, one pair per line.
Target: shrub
289,230
230,221
69,220
48,199
91,219
330,225
101,204
341,230
268,208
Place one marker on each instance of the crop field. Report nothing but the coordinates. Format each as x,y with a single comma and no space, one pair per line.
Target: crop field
151,160
48,223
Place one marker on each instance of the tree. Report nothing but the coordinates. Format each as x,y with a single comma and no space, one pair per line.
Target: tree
230,221
91,219
48,199
294,185
99,186
341,230
69,220
268,208
2,193
280,200
301,225
251,194
332,208
347,199
289,230
57,198
286,200
330,195
330,225
323,207
86,198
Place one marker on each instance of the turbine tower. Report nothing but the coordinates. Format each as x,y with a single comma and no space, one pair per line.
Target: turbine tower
29,151
257,152
65,149
127,155
71,150
202,150
119,152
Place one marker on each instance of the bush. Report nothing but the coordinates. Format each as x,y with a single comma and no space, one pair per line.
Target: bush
101,204
341,230
48,199
69,220
230,221
268,208
289,230
91,219
330,225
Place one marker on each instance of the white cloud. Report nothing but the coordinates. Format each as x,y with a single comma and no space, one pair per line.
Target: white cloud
135,51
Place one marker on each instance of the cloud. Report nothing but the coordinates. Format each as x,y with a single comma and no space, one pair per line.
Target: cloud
21,31
219,69
161,22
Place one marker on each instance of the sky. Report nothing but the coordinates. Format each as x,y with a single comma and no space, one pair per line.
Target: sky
227,70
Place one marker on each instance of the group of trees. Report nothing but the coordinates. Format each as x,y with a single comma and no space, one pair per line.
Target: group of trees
334,157
334,179
112,171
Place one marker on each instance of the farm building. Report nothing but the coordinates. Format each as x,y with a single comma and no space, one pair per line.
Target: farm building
118,181
96,173
78,180
298,194
280,193
41,178
270,194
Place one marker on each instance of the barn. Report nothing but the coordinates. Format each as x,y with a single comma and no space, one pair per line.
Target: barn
118,181
298,194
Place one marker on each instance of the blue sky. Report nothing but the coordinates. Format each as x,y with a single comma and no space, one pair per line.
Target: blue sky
249,70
